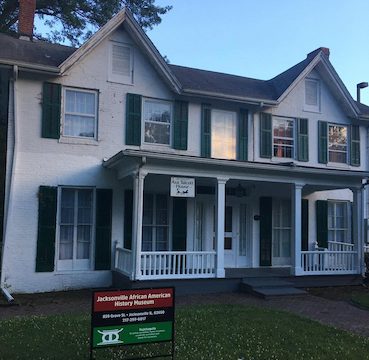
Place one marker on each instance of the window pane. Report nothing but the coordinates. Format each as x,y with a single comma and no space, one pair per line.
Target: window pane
223,134
80,102
161,238
83,241
66,242
75,125
228,219
155,111
337,144
283,137
161,210
84,207
157,133
147,238
148,211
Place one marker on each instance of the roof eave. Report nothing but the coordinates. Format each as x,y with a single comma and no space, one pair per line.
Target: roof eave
34,68
222,96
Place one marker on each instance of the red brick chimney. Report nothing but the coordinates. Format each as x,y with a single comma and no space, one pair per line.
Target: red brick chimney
26,17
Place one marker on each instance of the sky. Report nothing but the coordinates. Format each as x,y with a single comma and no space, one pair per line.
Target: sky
262,38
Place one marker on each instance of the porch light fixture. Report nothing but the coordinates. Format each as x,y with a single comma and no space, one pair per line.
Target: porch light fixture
360,86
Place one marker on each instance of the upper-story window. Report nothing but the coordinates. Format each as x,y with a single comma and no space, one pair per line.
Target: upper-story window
157,118
283,137
80,113
223,134
121,63
312,95
337,143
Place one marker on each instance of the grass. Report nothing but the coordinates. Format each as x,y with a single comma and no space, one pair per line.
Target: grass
203,332
361,299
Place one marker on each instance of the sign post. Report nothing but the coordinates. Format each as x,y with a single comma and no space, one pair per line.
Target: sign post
129,317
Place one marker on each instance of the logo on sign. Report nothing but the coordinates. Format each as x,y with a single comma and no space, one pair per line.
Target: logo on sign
182,187
110,337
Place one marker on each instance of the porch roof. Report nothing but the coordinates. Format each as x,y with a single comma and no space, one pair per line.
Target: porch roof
131,160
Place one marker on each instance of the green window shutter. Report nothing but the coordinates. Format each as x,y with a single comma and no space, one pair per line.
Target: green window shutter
304,224
128,216
179,224
133,119
265,231
322,223
51,106
242,135
180,125
45,253
205,131
104,200
355,146
302,140
323,142
265,135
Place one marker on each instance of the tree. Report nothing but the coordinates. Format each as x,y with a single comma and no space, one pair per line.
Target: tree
76,20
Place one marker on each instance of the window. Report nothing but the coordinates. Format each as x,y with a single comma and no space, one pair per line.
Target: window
283,137
76,228
80,113
281,229
121,63
155,227
312,95
223,134
337,144
157,117
338,221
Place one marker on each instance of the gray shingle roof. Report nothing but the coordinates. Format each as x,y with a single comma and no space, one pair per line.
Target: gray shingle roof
44,53
33,52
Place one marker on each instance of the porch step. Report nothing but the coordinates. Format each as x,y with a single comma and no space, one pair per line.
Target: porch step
269,287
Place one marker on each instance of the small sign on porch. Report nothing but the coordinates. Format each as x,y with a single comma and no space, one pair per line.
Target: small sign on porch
182,187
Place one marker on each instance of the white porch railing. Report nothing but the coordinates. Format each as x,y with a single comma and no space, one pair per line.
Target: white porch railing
177,264
340,246
123,260
366,248
325,262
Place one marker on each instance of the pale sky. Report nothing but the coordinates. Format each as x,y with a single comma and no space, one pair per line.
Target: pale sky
262,38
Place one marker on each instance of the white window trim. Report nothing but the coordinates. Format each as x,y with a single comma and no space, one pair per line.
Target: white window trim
57,266
313,108
144,99
277,158
120,79
339,164
348,223
62,123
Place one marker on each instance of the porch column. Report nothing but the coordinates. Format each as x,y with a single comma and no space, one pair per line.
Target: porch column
357,227
138,188
220,206
296,197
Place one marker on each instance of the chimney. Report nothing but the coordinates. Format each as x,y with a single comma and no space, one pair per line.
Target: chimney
26,17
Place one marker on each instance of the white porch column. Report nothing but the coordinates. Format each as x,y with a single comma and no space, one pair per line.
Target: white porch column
296,197
138,188
358,222
220,206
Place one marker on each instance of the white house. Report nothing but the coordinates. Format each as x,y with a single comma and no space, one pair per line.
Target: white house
264,174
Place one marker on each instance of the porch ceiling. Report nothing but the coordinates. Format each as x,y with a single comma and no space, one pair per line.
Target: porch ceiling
129,161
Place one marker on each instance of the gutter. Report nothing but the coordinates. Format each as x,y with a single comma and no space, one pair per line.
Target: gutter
10,176
220,96
36,68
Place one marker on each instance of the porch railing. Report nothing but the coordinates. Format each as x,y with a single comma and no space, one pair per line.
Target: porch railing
177,264
123,260
340,246
366,248
320,262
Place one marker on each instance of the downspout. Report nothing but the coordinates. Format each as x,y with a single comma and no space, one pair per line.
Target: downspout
10,185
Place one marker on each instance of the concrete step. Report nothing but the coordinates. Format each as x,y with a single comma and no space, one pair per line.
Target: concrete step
266,282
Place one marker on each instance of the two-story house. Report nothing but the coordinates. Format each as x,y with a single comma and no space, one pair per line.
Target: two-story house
114,159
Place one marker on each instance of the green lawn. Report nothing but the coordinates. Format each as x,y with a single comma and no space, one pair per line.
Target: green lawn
203,332
361,299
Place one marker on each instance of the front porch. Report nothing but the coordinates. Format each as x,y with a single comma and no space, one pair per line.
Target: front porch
247,218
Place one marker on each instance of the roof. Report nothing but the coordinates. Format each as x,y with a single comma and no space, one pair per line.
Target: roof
34,52
185,80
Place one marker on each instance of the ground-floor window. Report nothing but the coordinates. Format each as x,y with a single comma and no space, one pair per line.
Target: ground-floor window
155,230
75,228
339,215
281,228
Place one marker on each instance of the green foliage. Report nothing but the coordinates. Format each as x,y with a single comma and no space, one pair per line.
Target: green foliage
202,332
76,20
